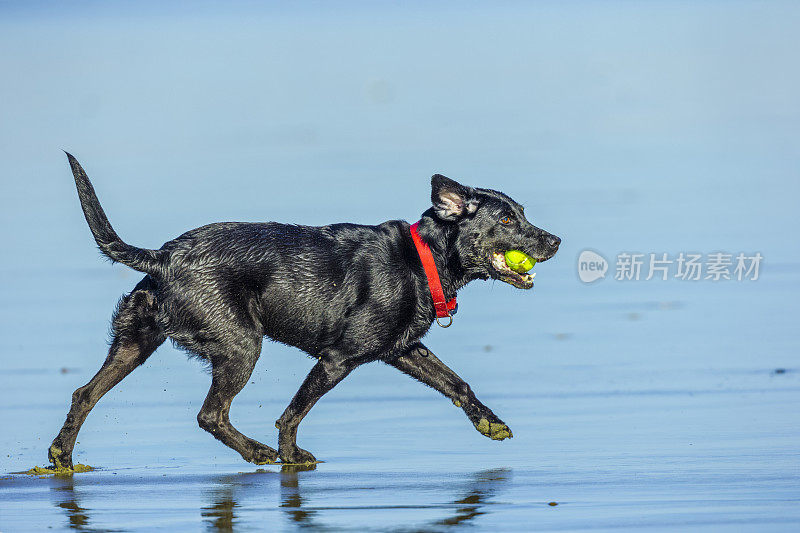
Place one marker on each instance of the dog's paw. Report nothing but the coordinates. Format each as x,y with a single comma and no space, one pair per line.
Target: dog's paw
296,456
58,458
263,455
494,430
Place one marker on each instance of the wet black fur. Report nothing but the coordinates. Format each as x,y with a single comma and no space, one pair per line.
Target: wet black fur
346,294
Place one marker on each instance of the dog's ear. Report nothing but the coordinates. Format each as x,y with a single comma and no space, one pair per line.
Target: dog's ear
451,199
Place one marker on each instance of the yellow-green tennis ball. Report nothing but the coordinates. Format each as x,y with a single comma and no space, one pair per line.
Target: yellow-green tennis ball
519,261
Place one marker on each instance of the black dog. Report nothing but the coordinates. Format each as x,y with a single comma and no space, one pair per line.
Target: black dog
346,294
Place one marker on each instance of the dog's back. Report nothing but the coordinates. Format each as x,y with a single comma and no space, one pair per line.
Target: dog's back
309,287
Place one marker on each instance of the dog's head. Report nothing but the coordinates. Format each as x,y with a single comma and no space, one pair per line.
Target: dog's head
489,223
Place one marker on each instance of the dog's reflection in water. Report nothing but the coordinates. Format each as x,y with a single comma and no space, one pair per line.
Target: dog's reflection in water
67,499
480,491
474,495
223,512
248,493
291,499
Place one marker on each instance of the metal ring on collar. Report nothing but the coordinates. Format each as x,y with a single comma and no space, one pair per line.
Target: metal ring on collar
448,324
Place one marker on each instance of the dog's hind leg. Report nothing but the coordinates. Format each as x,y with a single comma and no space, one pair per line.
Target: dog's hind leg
322,378
135,336
421,364
229,375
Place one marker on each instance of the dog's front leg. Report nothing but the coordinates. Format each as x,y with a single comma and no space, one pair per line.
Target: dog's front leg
322,378
421,364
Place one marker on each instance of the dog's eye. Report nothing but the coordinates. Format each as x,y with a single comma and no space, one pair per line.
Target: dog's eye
505,220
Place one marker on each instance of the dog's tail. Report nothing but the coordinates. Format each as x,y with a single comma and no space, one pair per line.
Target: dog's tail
147,261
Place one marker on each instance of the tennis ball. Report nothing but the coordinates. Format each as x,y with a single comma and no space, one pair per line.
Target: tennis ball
519,261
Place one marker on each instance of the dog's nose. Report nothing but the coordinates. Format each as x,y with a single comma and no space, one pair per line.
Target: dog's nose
553,241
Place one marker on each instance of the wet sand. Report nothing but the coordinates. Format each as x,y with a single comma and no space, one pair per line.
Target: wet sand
653,406
620,431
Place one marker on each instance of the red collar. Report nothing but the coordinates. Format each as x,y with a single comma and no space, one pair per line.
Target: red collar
444,309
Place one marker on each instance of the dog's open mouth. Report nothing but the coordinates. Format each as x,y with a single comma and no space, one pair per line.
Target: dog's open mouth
504,273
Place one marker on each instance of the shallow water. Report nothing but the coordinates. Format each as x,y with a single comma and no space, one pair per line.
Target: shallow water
637,405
